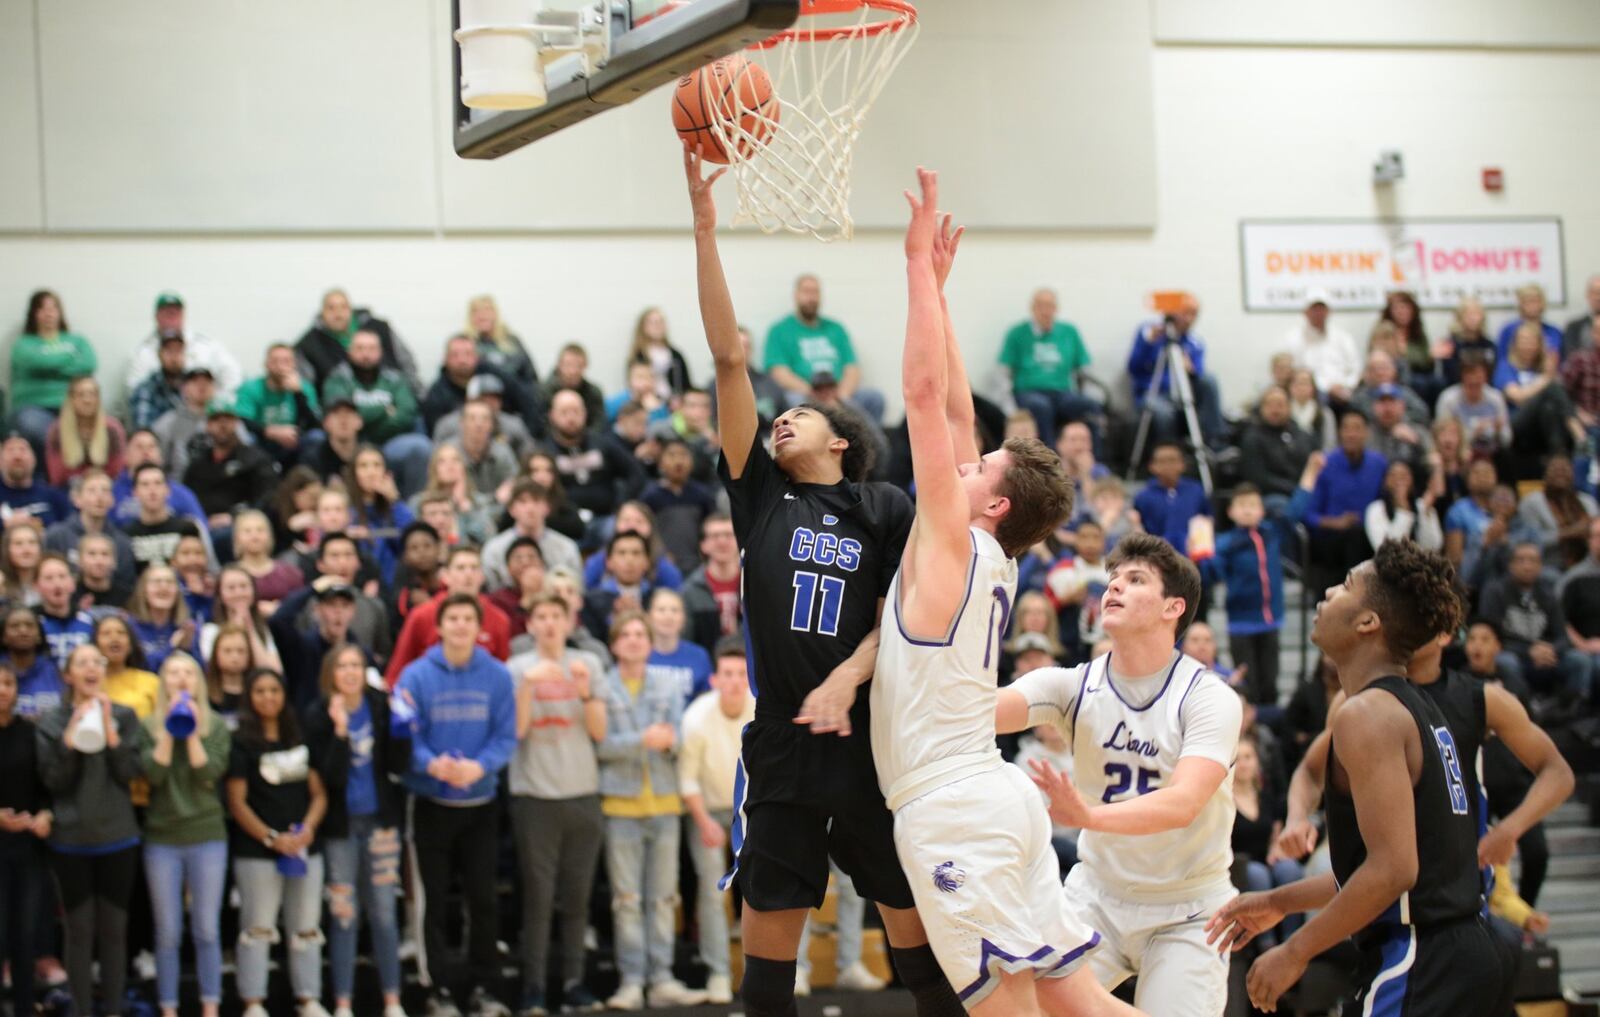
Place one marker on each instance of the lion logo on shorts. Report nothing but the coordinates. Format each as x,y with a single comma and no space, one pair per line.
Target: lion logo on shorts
948,878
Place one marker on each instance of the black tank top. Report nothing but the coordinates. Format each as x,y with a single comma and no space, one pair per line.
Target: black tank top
1448,884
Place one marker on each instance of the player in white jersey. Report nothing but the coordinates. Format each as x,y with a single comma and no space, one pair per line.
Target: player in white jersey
971,834
1153,734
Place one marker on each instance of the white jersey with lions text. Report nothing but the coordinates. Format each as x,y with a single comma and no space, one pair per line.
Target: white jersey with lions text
1127,737
933,699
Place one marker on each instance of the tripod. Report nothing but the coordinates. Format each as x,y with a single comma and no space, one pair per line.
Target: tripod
1182,394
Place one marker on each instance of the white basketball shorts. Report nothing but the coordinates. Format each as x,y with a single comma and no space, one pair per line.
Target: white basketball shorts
987,884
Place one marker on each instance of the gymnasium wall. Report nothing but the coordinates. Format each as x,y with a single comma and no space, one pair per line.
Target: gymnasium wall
144,160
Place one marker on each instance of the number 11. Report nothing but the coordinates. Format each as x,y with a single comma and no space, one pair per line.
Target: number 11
805,595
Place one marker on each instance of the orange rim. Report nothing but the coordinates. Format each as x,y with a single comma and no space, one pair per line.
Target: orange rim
899,14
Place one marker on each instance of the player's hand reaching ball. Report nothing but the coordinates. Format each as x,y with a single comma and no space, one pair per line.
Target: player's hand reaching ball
700,200
945,242
1067,807
924,216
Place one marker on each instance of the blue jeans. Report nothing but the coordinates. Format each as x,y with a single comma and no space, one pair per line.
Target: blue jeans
847,933
642,862
363,878
1574,673
407,456
34,423
1260,877
263,892
1054,408
201,869
709,865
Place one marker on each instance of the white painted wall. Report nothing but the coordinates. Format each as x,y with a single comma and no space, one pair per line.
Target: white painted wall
1240,132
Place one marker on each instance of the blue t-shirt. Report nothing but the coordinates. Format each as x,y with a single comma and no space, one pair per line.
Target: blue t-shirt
39,688
688,667
361,790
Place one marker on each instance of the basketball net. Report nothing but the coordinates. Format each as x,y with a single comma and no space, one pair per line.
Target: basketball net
792,170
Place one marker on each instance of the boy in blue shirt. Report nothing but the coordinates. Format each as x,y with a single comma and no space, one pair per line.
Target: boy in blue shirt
1170,500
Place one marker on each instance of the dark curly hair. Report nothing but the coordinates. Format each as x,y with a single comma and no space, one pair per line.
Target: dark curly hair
860,455
1414,592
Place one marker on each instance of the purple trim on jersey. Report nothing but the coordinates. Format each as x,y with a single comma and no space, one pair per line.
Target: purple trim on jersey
1199,674
1083,683
950,636
989,955
1154,699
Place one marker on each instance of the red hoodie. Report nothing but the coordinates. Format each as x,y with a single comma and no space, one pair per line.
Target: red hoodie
422,631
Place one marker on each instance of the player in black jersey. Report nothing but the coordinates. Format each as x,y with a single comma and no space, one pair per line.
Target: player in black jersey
820,547
1476,712
1402,827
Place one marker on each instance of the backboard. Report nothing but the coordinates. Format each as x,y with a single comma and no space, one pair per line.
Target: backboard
629,47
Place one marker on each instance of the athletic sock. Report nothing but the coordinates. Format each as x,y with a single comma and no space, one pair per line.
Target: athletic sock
922,975
768,988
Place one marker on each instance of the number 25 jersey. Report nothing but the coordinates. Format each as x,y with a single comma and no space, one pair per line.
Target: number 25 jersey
817,557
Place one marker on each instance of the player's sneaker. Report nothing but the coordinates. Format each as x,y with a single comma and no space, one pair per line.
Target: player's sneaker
856,978
719,989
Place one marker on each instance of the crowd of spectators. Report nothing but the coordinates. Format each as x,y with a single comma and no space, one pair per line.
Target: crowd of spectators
267,627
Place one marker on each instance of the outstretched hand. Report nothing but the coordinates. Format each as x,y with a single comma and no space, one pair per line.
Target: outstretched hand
924,216
945,242
700,200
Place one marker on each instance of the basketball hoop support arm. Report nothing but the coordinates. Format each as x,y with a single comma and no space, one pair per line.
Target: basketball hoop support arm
586,31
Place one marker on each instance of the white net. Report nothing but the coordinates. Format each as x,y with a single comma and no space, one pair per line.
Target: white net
791,159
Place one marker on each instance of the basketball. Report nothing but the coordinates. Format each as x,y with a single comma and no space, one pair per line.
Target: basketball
732,90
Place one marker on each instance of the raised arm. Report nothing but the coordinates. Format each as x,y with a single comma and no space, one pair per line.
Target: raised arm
959,414
939,546
737,421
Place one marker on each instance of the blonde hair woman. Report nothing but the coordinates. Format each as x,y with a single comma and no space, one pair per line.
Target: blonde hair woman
185,837
498,346
475,510
83,437
651,346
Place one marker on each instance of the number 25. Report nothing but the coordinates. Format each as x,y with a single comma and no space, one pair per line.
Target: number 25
1119,778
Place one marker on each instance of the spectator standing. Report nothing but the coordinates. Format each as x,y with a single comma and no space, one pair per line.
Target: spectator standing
555,799
64,626
186,839
361,830
1042,357
624,587
463,574
94,837
712,728
673,658
47,356
158,615
304,648
25,821
385,398
639,788
83,437
199,351
39,687
277,798
1325,349
465,733
805,344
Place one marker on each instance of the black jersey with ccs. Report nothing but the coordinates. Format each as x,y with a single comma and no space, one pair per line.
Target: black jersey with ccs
817,559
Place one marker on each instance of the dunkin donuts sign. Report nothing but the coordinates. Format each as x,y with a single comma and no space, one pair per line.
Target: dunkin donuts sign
1357,262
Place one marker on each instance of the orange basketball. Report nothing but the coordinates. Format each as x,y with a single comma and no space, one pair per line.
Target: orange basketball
733,91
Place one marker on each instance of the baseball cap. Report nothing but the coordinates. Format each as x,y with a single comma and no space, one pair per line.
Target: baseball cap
339,402
1389,390
168,298
485,385
824,379
1316,295
1033,641
333,590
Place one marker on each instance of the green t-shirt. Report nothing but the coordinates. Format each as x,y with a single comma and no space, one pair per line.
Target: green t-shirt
808,350
264,406
41,368
1044,361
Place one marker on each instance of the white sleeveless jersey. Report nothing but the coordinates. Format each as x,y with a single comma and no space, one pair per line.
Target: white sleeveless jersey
933,700
1120,751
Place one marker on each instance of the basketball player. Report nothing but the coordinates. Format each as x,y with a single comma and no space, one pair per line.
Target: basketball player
1153,734
820,548
1402,828
1475,711
971,832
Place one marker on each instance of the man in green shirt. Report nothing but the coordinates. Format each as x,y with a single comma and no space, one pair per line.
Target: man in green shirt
388,407
1044,356
280,408
806,345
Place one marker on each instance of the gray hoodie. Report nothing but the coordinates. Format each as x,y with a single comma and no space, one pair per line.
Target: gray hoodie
90,791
